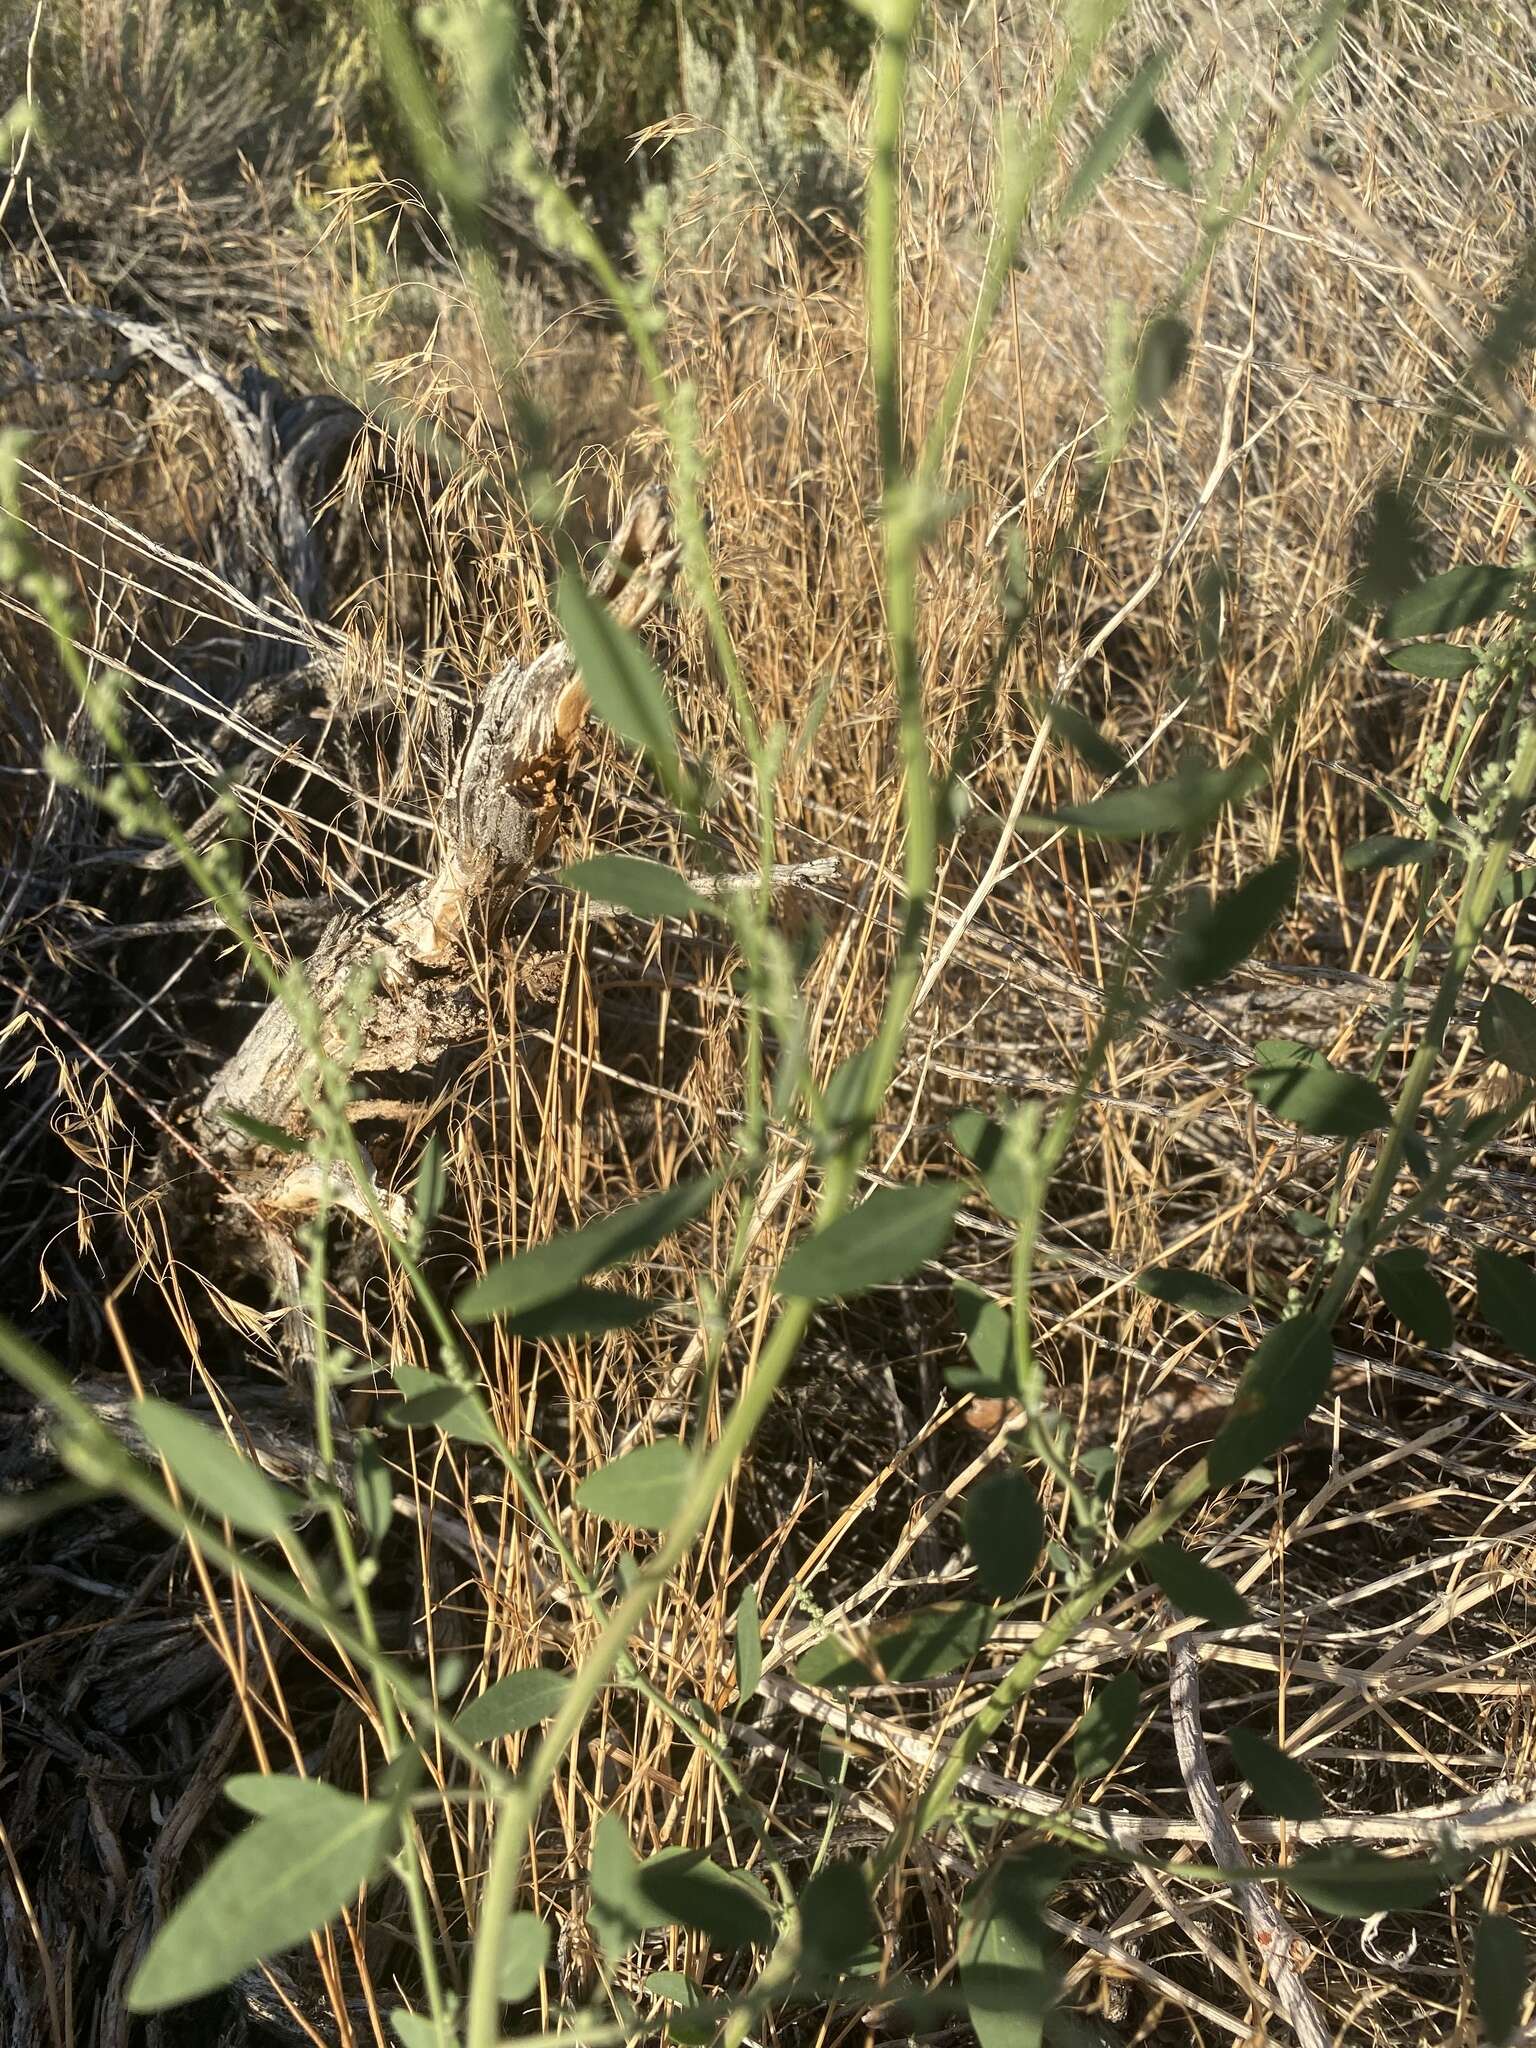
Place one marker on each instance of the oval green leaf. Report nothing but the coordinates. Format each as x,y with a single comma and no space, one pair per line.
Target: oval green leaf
1162,356
1005,1532
1506,1029
524,1951
1196,1588
1084,738
1438,660
520,1700
1284,1787
534,1279
281,1880
1357,1883
1002,1154
683,1887
583,1312
620,677
882,1241
1506,1299
837,1921
1388,850
1185,804
749,1645
1104,1733
1408,1287
1199,1294
1319,1099
435,1403
1160,140
988,1333
1458,597
1213,938
640,1490
924,1644
207,1466
1500,1976
643,886
1007,1973
1281,1384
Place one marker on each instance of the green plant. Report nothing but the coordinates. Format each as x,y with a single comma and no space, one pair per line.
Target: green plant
311,1846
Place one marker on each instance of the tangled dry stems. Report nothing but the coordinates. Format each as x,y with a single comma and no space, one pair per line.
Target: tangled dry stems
1387,1562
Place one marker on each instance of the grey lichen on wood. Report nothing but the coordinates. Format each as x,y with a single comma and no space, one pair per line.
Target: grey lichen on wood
497,818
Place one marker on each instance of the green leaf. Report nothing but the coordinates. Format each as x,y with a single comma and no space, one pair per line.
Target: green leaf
844,1093
643,886
1196,1588
1515,885
373,1488
1283,1052
1104,1733
1125,120
1458,597
1002,1154
885,1239
273,1136
269,1794
284,1878
431,1186
640,1490
1162,356
1388,850
207,1466
1415,1296
1281,1384
1213,938
674,1987
583,1312
535,1278
837,1921
1004,1530
682,1887
524,1951
1506,1299
1186,804
749,1645
989,1339
1198,1294
520,1700
1357,1883
420,2030
1007,1973
1318,1098
1394,547
618,1915
619,675
1500,1975
1165,149
1084,737
435,1403
1506,1029
1439,660
1285,1788
923,1644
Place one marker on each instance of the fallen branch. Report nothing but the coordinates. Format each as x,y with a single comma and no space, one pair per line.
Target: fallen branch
1283,1950
504,802
1496,1818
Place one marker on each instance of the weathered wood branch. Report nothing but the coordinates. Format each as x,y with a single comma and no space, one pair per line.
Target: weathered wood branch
500,812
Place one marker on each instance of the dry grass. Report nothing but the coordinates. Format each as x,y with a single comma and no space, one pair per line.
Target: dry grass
1388,1562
